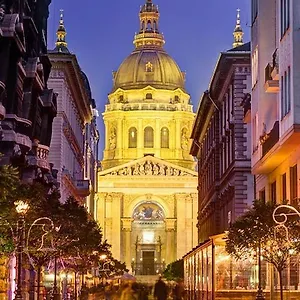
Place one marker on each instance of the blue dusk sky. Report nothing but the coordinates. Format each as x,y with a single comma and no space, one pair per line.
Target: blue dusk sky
100,33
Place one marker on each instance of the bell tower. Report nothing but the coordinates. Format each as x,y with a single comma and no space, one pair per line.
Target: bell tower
61,43
149,34
238,32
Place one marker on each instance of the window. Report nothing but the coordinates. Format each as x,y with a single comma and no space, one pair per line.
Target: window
132,138
293,183
255,133
148,96
284,16
254,10
262,195
283,185
254,67
273,192
149,67
286,93
148,137
164,138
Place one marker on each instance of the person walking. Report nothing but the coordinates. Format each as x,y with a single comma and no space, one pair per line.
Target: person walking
128,293
178,291
160,290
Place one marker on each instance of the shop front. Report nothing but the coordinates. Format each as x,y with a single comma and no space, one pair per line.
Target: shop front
210,273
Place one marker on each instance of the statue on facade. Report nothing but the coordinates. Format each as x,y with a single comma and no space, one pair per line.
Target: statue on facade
155,169
113,139
184,139
161,170
148,168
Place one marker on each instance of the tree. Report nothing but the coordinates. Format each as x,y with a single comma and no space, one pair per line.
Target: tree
256,228
175,270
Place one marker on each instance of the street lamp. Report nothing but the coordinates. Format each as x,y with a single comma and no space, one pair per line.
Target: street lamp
55,293
259,295
21,208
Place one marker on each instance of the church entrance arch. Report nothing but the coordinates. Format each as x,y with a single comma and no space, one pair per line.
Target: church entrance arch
149,238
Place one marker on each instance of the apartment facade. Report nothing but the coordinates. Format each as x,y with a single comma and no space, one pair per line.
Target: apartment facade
73,149
275,108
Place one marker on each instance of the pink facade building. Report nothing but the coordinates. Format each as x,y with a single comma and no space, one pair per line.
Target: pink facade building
73,149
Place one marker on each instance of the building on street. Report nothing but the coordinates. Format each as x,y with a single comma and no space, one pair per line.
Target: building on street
147,196
221,144
275,110
27,105
75,137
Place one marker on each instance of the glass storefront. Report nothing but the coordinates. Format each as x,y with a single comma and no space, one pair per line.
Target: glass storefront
210,273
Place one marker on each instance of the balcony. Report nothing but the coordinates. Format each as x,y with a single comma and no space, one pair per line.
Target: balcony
277,149
271,139
148,106
272,75
246,104
39,156
83,187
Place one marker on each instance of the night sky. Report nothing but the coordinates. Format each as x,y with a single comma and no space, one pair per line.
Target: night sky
100,33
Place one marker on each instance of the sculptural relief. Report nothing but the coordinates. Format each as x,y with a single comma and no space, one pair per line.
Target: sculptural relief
113,139
148,168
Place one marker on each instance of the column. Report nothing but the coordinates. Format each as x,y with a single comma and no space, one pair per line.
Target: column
157,135
116,224
126,229
170,241
181,225
178,138
140,138
120,133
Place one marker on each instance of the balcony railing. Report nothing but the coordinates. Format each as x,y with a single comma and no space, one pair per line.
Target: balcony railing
271,140
83,187
272,75
148,106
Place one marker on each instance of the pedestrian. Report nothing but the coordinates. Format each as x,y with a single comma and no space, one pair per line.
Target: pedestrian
178,291
160,290
128,293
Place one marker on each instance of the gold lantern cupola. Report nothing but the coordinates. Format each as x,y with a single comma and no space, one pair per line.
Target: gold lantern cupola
61,44
149,34
238,32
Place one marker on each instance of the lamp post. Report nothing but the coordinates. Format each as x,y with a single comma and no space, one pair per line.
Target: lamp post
259,295
55,293
21,208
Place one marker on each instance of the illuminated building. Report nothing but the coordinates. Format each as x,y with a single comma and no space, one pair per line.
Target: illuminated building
73,149
147,197
275,110
221,144
27,106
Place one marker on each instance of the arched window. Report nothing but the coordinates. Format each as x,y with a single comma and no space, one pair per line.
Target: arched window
149,26
143,25
164,137
148,96
154,26
132,137
148,137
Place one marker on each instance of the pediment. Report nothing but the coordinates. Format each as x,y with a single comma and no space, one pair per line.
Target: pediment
149,166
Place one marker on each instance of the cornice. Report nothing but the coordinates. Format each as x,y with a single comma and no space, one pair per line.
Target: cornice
69,65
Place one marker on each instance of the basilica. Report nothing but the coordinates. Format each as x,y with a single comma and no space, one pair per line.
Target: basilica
147,186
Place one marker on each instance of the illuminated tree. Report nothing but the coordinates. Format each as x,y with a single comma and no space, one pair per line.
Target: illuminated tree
257,229
174,270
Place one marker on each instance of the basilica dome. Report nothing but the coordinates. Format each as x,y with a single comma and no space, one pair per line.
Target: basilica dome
149,66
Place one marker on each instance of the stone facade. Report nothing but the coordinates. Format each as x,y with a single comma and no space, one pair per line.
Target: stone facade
73,150
146,201
221,145
27,106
